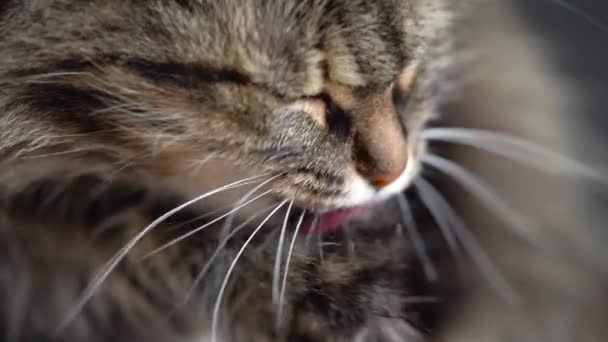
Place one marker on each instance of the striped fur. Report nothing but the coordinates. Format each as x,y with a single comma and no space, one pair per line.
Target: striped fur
114,112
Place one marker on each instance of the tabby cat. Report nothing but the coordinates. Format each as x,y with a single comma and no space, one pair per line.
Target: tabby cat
235,171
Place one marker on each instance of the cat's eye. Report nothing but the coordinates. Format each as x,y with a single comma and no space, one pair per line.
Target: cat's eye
402,88
337,120
400,98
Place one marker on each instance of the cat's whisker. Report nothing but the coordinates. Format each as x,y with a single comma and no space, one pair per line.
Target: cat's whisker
486,196
105,271
203,216
228,223
443,212
277,262
518,149
417,241
422,186
583,14
218,302
320,245
216,253
198,229
286,271
313,229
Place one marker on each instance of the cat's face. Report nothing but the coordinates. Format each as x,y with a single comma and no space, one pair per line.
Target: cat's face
327,95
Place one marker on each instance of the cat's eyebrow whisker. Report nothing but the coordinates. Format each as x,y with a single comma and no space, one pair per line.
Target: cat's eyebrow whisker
286,271
518,149
277,262
414,235
106,269
443,212
486,196
216,253
198,229
218,302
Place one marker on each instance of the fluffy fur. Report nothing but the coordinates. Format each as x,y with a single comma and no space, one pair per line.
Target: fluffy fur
115,112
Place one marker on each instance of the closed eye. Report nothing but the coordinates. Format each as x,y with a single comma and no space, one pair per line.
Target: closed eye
400,99
337,120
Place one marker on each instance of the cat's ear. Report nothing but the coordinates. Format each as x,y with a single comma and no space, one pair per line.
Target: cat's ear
387,330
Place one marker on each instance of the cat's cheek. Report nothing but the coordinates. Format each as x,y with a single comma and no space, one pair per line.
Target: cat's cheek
216,173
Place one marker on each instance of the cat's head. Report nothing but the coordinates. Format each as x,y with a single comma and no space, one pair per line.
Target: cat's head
329,96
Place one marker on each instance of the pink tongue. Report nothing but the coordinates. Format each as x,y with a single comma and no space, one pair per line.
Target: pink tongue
330,221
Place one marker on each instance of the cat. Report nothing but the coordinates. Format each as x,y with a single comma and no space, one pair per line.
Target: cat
227,171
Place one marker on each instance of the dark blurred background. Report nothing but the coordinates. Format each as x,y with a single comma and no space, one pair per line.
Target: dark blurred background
580,39
577,33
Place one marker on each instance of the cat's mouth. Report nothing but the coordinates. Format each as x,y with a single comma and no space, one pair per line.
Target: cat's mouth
327,222
306,221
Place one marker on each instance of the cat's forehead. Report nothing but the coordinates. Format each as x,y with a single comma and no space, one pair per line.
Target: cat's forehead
292,47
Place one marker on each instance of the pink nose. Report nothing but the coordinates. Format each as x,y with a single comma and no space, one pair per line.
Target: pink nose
384,179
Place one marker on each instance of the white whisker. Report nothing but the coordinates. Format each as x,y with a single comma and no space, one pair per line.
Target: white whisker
198,229
226,227
442,211
277,261
222,244
422,186
581,13
518,149
320,245
105,271
207,214
313,229
487,197
416,239
218,302
287,263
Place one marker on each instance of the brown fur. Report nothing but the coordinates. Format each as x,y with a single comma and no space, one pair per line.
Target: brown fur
114,112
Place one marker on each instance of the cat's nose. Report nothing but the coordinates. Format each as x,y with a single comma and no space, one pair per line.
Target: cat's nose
380,138
380,147
382,155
